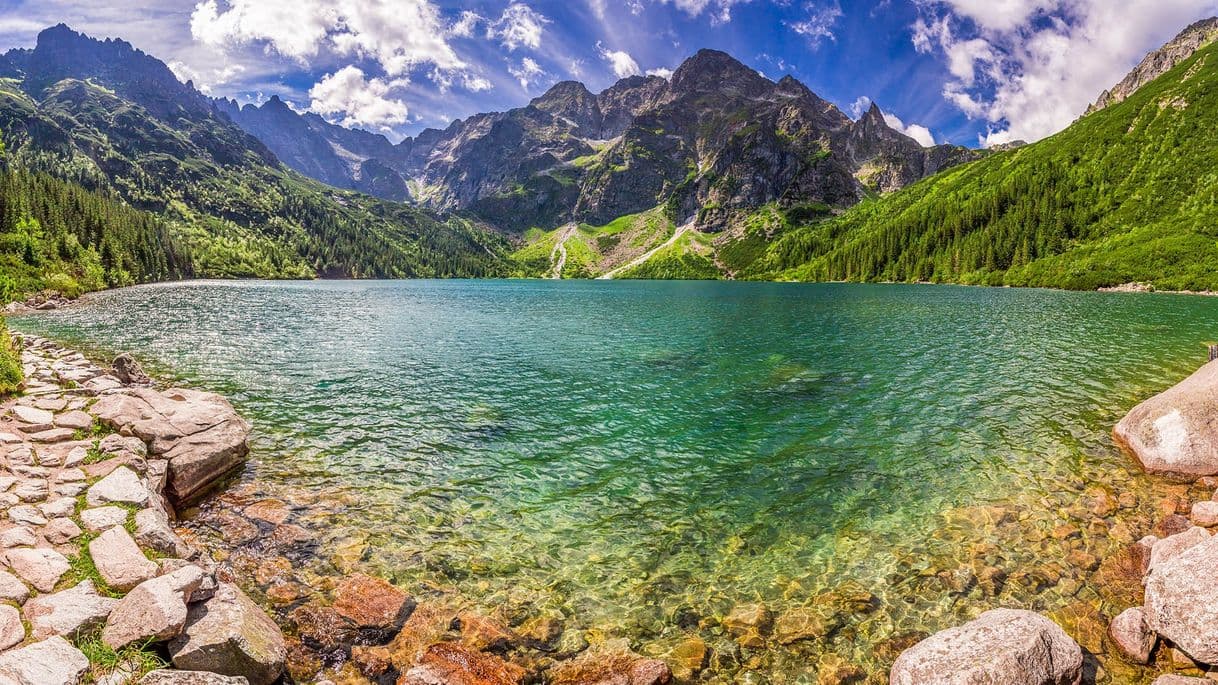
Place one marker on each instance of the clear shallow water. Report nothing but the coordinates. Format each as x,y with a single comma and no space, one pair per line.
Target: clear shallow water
641,457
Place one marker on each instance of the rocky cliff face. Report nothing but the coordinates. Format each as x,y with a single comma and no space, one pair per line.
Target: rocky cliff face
341,157
1160,61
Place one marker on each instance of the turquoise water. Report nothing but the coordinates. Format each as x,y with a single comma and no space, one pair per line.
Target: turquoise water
640,457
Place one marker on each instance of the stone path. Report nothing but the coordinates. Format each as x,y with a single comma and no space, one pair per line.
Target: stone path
90,469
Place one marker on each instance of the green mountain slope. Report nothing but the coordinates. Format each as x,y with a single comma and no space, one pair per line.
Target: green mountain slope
109,117
1126,194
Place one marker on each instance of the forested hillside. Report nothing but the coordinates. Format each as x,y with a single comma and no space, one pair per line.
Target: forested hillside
57,235
1126,194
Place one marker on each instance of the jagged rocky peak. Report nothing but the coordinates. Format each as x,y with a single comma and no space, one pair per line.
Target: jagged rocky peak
570,100
712,71
1161,61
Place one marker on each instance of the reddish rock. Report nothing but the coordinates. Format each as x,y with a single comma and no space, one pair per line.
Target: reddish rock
448,663
611,664
372,603
428,623
1170,525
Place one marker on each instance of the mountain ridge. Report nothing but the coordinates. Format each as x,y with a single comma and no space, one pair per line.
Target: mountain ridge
570,154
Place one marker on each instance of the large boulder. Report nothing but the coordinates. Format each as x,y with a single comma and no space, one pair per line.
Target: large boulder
198,461
228,634
1000,647
1182,601
51,662
1173,433
155,610
200,434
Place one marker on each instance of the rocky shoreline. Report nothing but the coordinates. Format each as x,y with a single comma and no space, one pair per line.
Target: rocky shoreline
1174,632
100,582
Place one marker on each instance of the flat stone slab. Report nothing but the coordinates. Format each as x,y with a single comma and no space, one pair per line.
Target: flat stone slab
74,420
12,589
41,568
101,518
119,560
69,612
51,662
32,415
122,486
12,632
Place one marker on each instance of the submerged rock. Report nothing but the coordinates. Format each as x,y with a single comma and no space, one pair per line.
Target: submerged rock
1173,433
228,634
449,663
372,604
610,664
1182,601
1000,647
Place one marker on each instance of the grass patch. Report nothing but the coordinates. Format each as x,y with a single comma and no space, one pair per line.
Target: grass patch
11,375
82,568
139,658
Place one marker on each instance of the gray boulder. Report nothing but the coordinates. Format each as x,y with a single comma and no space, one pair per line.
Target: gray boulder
1000,647
129,371
1173,433
228,634
1182,601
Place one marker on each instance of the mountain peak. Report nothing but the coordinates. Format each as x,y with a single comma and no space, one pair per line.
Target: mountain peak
1190,40
713,70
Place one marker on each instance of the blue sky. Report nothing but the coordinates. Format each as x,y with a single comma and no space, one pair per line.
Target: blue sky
965,71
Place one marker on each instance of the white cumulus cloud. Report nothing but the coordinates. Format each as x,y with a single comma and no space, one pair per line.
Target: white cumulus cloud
622,63
400,35
520,25
1030,67
720,10
352,99
527,72
662,72
916,131
818,25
